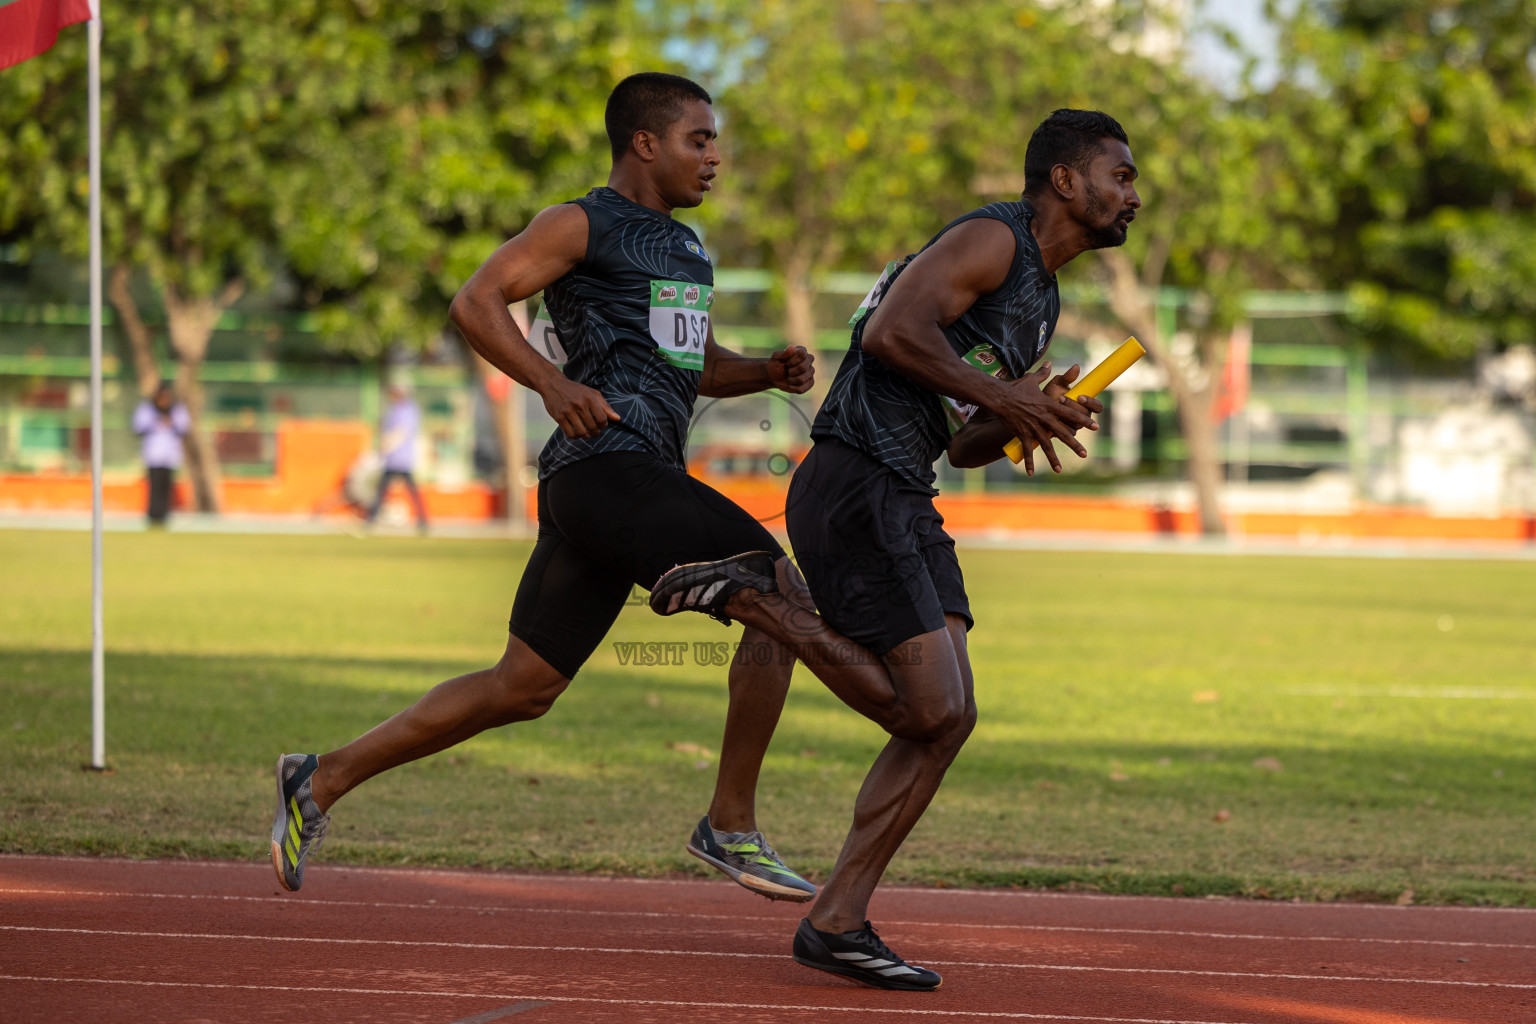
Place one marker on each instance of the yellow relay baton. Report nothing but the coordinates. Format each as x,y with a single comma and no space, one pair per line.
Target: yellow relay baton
1099,378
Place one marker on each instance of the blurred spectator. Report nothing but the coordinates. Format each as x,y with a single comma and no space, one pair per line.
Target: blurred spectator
397,445
162,422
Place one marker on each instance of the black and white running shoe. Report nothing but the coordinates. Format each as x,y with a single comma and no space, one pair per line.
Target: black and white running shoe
706,586
860,955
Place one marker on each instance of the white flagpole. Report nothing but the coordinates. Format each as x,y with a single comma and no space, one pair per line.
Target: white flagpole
98,660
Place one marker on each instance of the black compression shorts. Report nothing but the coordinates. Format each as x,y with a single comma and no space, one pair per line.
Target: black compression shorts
872,548
609,523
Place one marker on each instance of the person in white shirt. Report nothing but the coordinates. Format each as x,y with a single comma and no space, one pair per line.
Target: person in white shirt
162,422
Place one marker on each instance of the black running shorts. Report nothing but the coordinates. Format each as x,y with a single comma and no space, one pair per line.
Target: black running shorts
609,523
872,548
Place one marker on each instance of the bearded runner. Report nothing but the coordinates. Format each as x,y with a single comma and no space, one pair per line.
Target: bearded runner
939,361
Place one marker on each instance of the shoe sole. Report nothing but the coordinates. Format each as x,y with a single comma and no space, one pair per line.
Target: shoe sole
862,977
687,574
761,886
685,578
277,823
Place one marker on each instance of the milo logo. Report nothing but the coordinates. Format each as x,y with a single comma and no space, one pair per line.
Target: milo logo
667,293
984,359
691,295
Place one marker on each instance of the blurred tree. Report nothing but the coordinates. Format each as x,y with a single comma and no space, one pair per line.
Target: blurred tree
468,119
842,145
376,149
1428,108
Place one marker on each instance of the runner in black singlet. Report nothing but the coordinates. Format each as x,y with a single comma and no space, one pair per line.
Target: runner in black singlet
939,361
627,291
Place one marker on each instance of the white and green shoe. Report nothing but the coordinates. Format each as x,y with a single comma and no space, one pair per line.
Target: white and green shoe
747,858
298,828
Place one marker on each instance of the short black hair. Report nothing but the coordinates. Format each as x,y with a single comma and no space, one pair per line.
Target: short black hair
650,101
1071,137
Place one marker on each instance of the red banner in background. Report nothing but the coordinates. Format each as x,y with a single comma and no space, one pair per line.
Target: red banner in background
28,27
1233,385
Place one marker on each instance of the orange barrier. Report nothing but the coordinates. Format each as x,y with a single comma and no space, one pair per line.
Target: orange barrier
313,457
1022,513
982,513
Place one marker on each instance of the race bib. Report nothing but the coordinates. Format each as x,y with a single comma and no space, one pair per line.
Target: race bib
680,321
542,336
984,359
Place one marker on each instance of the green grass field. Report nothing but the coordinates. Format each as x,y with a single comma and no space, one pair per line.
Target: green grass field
1367,725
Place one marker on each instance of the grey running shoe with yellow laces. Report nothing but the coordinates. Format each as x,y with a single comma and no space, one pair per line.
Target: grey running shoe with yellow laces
747,857
298,828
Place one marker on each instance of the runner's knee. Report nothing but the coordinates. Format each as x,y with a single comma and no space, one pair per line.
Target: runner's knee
936,721
520,692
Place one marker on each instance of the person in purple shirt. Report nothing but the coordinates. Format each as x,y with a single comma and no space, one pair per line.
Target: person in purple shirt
397,445
162,422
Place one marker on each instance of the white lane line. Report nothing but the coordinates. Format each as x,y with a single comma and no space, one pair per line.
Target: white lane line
1269,906
516,947
713,1005
658,915
593,881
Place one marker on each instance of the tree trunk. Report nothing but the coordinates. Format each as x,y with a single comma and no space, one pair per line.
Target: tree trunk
140,339
1128,302
191,322
799,295
1204,466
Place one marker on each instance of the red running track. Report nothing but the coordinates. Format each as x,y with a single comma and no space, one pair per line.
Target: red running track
83,939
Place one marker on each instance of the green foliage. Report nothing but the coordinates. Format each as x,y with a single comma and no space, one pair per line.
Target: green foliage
841,145
1426,107
469,121
1322,702
199,102
376,150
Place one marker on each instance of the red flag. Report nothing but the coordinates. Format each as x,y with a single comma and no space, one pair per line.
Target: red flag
1233,385
28,27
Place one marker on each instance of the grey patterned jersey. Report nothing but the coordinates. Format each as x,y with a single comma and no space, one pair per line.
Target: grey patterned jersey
632,318
1005,332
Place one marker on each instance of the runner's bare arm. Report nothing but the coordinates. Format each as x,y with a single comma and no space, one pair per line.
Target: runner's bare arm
942,282
552,243
727,373
980,442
